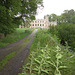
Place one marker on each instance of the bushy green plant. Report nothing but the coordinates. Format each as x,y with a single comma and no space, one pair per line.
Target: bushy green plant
45,63
52,29
66,32
50,58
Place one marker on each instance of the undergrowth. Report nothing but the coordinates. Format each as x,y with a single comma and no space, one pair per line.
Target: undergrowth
48,57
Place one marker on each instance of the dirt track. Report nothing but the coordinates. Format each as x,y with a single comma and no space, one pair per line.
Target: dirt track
22,51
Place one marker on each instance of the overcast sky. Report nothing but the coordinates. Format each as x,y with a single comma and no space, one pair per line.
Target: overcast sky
55,6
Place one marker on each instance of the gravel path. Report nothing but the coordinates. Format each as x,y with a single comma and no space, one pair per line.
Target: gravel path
22,51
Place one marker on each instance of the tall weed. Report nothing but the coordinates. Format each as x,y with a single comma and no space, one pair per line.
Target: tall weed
48,57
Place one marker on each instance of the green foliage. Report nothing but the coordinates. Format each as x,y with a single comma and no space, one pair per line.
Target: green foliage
13,12
43,40
6,25
52,17
17,35
5,60
17,21
66,32
48,59
73,19
52,29
67,16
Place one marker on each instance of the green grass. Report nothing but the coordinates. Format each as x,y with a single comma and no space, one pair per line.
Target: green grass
17,35
5,60
48,57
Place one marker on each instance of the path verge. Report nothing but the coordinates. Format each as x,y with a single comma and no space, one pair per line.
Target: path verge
22,48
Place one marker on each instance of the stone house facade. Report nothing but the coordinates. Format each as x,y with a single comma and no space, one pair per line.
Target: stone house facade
41,23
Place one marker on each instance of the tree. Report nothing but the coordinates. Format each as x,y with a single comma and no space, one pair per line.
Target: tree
10,9
73,19
29,7
67,16
7,11
52,17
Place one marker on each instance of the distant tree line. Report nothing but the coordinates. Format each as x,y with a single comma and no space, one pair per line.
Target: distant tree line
67,16
14,12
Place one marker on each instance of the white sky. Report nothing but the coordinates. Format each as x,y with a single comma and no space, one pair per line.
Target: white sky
55,6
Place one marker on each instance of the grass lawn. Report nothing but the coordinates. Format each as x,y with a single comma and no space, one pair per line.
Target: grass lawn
47,57
17,35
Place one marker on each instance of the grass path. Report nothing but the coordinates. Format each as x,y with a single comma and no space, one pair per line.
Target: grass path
22,50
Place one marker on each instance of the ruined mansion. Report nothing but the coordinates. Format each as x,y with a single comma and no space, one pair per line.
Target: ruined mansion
40,23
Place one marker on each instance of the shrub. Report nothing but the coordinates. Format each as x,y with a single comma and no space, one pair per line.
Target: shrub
66,32
52,29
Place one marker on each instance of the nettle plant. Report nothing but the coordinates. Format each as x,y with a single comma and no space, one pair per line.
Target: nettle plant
44,61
